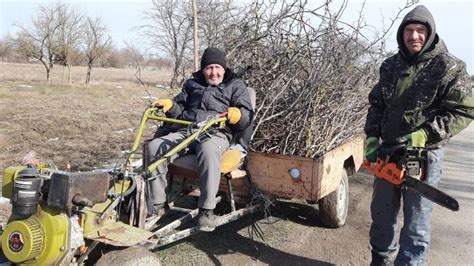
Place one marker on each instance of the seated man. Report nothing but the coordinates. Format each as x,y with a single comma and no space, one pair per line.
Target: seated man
214,89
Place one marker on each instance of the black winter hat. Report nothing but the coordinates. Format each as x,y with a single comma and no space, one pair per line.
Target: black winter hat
213,56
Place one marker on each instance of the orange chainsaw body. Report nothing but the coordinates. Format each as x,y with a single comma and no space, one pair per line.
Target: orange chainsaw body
387,171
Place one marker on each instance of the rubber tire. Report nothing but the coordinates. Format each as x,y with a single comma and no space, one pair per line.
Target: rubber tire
131,256
333,208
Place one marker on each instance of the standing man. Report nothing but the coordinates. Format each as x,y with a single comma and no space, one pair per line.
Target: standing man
423,98
213,90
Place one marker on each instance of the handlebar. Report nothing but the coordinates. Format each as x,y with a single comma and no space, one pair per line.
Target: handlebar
150,114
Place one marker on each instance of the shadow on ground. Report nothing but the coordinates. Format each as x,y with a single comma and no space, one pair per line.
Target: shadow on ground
227,240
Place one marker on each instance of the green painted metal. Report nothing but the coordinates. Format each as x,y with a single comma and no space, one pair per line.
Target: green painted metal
150,114
216,120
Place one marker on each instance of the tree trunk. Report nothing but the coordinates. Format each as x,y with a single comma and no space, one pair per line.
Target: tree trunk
176,74
196,37
88,74
50,67
138,74
62,76
46,68
68,72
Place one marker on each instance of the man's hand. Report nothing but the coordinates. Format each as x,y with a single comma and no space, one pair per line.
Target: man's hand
166,104
233,114
371,147
416,139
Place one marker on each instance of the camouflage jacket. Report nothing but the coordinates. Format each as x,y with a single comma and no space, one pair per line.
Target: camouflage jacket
432,92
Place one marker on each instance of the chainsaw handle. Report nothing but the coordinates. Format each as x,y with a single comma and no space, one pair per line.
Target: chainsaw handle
369,165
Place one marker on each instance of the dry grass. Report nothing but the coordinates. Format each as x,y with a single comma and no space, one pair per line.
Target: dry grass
70,124
37,73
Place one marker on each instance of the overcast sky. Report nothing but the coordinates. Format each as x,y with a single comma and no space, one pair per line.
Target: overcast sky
454,19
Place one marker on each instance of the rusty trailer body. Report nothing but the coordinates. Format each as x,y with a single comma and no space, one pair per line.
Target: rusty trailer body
317,177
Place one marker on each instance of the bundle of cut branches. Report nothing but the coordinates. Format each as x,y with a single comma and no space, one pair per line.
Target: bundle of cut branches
311,72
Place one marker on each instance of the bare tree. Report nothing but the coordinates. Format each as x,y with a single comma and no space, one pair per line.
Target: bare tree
68,35
7,48
134,57
96,42
37,40
169,29
113,57
216,16
170,24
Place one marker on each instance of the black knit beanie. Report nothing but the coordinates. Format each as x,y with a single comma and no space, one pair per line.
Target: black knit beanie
213,56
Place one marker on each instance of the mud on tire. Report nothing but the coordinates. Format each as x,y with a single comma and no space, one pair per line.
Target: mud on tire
333,207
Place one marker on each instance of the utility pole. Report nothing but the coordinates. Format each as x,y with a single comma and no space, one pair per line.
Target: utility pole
196,38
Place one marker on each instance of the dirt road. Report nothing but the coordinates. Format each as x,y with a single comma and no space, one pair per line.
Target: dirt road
299,238
453,233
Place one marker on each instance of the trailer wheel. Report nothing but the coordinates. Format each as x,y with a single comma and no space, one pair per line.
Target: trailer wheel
333,207
131,256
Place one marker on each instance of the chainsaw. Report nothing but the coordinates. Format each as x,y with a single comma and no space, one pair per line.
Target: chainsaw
405,167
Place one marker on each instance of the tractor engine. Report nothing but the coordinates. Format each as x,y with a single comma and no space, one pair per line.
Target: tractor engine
49,211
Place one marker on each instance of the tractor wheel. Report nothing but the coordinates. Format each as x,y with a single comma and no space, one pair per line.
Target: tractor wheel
333,208
132,256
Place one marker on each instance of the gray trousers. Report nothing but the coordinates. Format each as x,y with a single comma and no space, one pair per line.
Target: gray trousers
208,153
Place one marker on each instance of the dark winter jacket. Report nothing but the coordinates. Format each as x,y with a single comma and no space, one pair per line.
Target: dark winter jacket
199,101
430,90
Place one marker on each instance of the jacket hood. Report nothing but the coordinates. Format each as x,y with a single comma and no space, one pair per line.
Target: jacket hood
199,76
419,14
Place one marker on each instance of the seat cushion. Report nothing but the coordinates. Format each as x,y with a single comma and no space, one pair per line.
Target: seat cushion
186,166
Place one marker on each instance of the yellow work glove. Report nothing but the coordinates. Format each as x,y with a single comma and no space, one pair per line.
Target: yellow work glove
233,115
416,139
371,148
166,104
